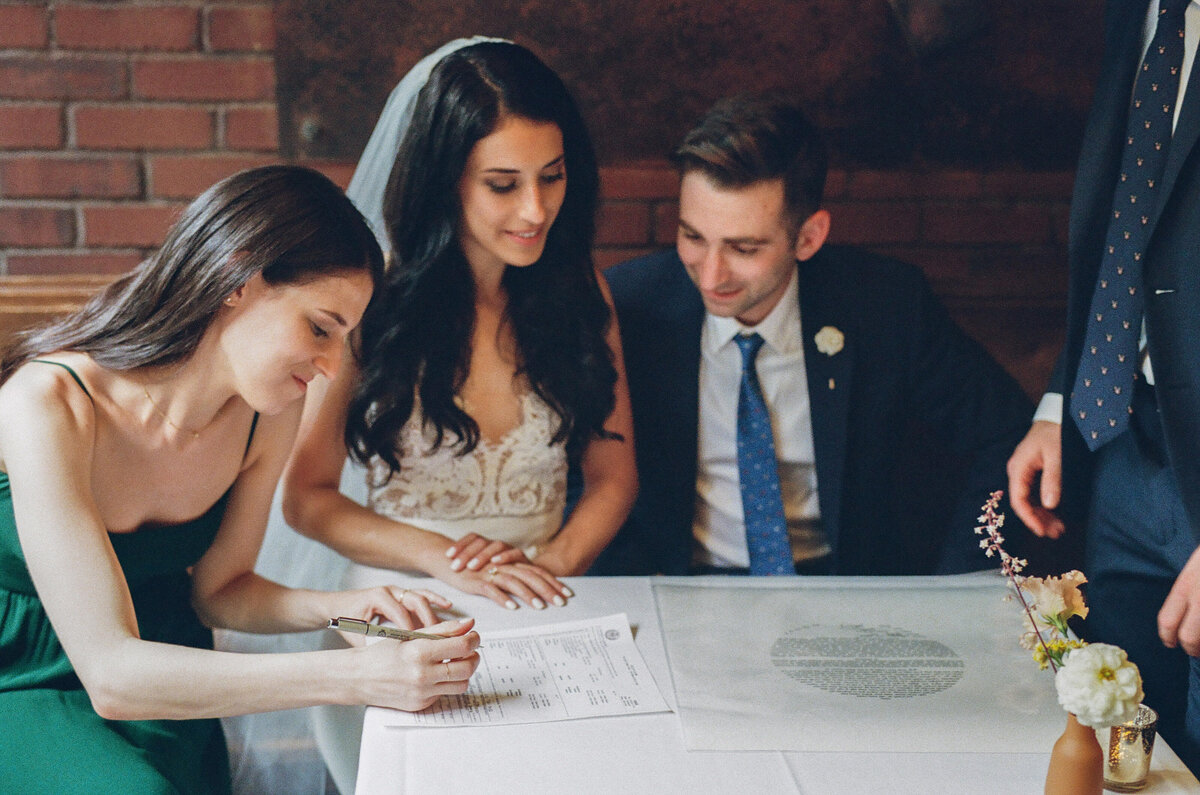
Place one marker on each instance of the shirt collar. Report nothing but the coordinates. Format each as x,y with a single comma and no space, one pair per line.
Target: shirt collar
780,329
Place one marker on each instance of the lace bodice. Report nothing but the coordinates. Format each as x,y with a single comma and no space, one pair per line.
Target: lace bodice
521,476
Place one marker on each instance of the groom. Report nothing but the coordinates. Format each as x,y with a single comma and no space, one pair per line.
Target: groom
774,377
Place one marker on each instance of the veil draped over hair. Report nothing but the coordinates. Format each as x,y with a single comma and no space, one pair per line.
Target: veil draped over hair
275,751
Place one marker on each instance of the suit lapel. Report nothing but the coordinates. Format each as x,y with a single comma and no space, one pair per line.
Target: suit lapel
829,382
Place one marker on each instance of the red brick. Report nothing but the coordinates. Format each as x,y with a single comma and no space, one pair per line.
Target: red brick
143,127
36,226
245,79
913,184
623,223
127,224
873,223
655,180
23,26
255,129
24,77
241,29
31,127
605,258
51,263
985,223
127,28
70,177
666,223
182,177
1029,185
338,172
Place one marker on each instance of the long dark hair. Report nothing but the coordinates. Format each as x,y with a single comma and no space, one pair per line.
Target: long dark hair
289,223
416,334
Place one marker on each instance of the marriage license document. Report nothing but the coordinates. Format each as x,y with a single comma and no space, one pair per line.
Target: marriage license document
576,669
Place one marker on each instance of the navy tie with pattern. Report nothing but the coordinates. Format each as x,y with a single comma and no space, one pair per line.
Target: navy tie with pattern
1102,394
758,475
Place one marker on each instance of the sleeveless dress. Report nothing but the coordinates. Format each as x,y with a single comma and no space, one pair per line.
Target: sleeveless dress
51,740
512,490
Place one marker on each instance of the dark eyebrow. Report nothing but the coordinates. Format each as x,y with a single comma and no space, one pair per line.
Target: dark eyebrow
733,241
341,321
556,161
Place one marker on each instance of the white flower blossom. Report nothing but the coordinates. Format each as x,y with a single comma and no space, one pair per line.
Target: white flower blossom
1099,685
830,340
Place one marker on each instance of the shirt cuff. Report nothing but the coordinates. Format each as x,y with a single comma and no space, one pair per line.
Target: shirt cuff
1050,409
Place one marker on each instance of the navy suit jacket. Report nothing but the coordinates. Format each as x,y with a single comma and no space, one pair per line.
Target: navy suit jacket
904,360
1172,289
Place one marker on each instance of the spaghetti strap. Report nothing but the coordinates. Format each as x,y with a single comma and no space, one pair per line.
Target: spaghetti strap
74,375
253,425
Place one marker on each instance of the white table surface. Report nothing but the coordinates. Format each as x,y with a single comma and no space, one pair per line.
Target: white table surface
645,753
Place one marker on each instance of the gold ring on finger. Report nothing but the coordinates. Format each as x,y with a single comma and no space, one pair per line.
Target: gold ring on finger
492,572
449,676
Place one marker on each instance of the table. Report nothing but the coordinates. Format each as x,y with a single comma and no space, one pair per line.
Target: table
645,753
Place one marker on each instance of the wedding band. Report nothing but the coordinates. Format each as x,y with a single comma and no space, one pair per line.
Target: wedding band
449,677
402,592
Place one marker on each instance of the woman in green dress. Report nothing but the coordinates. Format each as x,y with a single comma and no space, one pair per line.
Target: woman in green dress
140,442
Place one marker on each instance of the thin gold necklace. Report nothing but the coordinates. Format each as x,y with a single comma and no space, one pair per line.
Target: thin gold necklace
165,418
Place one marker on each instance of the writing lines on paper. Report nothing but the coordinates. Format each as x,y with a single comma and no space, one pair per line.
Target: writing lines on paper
577,669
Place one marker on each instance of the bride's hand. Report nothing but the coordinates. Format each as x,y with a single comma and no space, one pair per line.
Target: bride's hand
474,552
506,583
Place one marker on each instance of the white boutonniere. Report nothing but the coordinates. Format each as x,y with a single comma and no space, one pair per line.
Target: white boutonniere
830,340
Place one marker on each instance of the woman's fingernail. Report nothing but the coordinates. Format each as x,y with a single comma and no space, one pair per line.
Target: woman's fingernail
455,565
473,563
567,592
451,552
495,558
558,600
463,620
510,604
538,603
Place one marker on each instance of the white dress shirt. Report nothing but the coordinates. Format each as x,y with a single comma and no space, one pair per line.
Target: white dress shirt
1051,406
719,527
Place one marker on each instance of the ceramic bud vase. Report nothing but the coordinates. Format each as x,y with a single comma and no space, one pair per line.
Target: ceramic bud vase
1076,763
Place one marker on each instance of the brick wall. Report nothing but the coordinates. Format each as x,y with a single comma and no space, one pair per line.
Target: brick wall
113,114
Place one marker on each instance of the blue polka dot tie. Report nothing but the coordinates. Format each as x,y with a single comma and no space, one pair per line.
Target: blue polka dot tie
1101,398
758,476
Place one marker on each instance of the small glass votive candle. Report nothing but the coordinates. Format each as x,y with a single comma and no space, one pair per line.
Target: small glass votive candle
1127,749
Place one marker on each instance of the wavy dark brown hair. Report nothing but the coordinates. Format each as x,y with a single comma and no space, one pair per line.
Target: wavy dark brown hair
416,334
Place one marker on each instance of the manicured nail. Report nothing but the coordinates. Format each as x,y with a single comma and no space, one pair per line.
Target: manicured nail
451,552
473,563
558,600
495,558
567,592
538,603
455,565
510,604
463,620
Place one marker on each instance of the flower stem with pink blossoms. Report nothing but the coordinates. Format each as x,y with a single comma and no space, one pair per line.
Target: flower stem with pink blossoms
1011,566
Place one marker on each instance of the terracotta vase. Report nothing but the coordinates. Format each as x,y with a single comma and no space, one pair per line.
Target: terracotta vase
1076,763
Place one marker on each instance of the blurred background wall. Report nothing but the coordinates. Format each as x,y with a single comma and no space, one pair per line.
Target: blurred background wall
953,124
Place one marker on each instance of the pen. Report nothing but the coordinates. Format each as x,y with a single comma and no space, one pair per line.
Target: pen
359,627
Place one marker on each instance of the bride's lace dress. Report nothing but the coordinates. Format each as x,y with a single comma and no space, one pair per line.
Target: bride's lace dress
512,489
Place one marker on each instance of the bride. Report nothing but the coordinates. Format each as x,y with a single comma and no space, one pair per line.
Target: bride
488,361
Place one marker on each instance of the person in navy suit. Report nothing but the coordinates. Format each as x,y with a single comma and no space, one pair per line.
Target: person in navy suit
858,352
1136,496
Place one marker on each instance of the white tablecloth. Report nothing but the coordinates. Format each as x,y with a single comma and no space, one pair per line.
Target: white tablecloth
645,753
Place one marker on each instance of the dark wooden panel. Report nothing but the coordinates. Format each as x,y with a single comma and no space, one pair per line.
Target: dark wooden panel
946,81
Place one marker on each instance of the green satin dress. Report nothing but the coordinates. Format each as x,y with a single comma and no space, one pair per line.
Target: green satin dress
51,740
